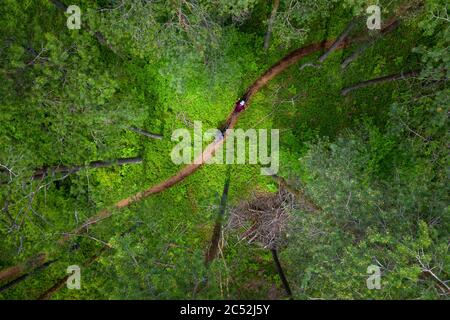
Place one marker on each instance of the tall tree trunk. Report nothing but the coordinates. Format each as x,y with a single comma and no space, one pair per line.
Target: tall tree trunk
213,248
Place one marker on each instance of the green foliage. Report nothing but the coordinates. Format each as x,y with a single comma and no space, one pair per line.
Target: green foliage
384,200
375,162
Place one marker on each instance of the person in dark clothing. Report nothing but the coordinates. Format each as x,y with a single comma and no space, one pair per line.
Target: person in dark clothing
239,106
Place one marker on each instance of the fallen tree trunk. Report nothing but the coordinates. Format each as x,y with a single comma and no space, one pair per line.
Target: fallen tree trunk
55,288
146,133
59,5
32,263
392,77
26,275
44,172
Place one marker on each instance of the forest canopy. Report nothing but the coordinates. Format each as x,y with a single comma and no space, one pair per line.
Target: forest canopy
92,92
